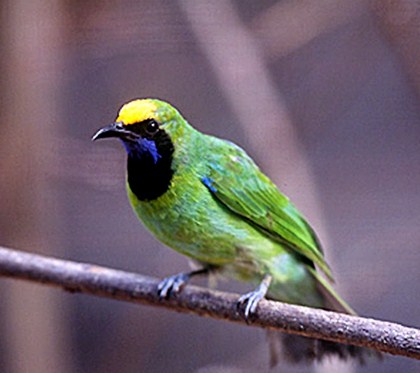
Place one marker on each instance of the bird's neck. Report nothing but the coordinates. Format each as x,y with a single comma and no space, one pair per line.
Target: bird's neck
149,167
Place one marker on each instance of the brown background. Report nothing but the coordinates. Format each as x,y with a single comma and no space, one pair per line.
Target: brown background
323,94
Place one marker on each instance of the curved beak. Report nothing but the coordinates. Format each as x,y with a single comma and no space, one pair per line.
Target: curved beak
113,130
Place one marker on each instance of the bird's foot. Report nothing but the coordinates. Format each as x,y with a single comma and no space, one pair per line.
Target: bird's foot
172,285
248,302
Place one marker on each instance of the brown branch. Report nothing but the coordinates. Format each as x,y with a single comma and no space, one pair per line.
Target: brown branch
91,279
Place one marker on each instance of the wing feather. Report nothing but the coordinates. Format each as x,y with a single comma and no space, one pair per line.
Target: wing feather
237,182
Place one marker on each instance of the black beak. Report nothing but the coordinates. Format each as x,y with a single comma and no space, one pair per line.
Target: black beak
114,130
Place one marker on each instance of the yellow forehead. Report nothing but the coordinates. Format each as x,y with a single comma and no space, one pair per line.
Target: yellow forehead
137,111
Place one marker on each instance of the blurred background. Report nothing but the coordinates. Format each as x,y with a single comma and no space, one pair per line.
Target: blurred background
323,94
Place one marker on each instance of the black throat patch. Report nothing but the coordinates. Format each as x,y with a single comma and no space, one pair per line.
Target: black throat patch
150,170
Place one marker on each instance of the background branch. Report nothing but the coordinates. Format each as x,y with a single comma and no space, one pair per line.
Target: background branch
91,279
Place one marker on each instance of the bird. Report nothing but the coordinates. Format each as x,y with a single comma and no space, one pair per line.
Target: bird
207,199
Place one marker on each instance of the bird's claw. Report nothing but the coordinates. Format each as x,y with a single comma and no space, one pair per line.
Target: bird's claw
248,303
172,285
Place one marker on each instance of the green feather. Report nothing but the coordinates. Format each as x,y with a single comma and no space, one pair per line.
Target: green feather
239,184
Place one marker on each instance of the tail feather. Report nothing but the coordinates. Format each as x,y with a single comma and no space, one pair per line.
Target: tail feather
298,349
332,300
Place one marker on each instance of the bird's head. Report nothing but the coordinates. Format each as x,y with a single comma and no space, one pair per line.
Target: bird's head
144,126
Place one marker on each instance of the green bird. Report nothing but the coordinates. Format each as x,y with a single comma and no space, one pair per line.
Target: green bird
207,199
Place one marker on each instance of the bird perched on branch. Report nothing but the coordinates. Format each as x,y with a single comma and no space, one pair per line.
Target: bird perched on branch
207,199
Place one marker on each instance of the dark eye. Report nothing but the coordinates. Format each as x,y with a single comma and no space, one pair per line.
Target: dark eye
152,127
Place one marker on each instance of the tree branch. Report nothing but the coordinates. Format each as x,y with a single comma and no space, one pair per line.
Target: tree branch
91,279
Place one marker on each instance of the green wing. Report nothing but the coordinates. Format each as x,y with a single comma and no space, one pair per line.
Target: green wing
236,181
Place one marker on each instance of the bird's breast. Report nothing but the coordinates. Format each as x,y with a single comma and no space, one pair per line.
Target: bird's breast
188,219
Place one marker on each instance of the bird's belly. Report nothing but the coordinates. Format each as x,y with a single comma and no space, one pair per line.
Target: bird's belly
209,233
197,227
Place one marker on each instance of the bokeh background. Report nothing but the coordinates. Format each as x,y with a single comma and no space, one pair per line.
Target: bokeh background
323,94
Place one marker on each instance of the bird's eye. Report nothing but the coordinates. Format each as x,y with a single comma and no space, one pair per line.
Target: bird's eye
152,127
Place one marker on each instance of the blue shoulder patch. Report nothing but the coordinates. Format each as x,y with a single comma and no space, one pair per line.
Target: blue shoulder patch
208,182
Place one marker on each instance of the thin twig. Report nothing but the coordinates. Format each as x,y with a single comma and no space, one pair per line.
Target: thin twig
91,279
